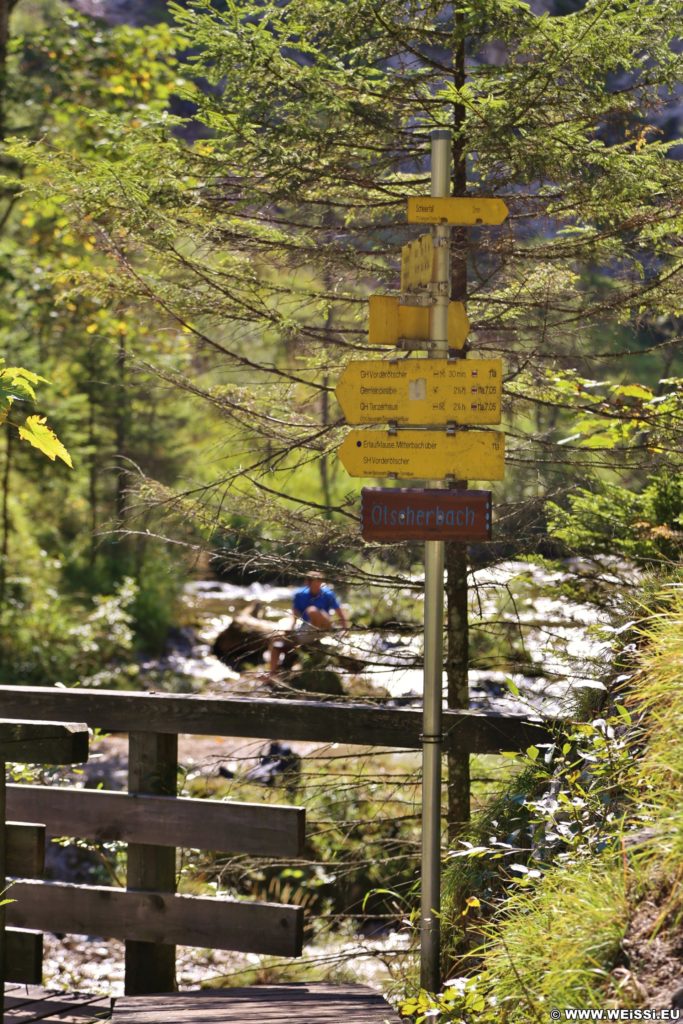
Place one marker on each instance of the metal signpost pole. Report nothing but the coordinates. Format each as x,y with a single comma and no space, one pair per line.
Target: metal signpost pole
433,621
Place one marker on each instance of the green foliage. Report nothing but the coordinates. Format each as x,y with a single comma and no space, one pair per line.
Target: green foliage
610,519
601,827
55,640
551,945
252,240
654,699
155,606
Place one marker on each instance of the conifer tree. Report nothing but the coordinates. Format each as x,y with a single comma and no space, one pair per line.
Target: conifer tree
260,227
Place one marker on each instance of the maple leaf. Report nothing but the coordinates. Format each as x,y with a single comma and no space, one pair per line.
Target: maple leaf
37,433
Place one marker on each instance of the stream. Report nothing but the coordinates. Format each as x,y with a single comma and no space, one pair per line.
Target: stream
536,647
556,642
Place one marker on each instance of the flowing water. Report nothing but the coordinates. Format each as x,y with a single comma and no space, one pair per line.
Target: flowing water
542,646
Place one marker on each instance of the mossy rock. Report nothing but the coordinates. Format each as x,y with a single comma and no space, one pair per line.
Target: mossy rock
318,680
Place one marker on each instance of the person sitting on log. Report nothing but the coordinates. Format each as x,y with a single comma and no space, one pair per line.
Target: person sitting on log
312,608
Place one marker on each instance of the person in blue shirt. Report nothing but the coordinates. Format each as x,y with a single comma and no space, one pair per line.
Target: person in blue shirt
312,608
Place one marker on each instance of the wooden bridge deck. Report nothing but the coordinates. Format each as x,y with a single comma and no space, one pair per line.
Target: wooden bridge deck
25,1004
267,1004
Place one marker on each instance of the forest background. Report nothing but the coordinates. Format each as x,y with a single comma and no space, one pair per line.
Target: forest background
193,216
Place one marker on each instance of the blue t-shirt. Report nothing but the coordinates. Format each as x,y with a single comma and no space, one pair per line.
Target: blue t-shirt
326,600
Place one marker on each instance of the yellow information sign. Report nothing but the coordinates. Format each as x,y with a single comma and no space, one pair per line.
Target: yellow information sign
422,391
464,211
417,263
390,322
424,454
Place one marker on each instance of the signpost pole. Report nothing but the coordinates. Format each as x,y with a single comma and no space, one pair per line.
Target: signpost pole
430,932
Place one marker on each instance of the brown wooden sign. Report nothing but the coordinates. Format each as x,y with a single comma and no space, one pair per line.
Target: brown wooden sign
397,513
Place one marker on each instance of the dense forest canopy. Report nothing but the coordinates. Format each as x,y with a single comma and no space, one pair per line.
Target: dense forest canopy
229,275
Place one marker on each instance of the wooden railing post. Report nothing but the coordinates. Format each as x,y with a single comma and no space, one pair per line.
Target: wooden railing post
152,769
3,883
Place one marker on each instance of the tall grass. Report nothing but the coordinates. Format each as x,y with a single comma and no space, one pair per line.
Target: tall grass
554,946
655,700
554,941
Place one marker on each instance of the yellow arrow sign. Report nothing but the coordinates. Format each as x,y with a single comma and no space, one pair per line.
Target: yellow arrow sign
421,391
391,322
424,454
417,263
464,211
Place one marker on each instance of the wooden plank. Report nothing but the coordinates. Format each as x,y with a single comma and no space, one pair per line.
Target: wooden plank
25,850
472,732
266,830
208,922
152,768
53,1012
81,1013
24,1006
23,955
3,883
268,1004
43,742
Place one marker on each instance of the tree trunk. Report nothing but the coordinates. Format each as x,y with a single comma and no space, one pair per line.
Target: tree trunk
5,6
121,427
457,632
92,477
5,524
324,462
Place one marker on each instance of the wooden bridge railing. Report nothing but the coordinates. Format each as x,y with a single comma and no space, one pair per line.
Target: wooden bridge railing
22,847
148,915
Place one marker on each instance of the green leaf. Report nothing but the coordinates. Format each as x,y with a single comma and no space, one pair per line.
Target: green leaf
632,391
38,434
512,687
624,713
29,375
532,753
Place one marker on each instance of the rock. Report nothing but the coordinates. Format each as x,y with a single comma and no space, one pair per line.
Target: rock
318,680
181,640
279,764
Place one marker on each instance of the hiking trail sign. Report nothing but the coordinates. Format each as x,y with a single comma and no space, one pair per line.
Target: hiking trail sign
390,514
421,391
417,263
392,323
424,454
427,393
462,211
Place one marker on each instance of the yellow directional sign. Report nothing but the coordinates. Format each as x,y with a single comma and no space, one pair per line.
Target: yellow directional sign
417,263
421,391
391,322
464,211
424,454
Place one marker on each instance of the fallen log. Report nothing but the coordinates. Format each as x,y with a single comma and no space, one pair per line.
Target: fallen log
247,638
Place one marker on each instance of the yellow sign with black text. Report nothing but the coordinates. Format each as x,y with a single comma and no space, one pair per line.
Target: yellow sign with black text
462,211
424,454
417,263
422,391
